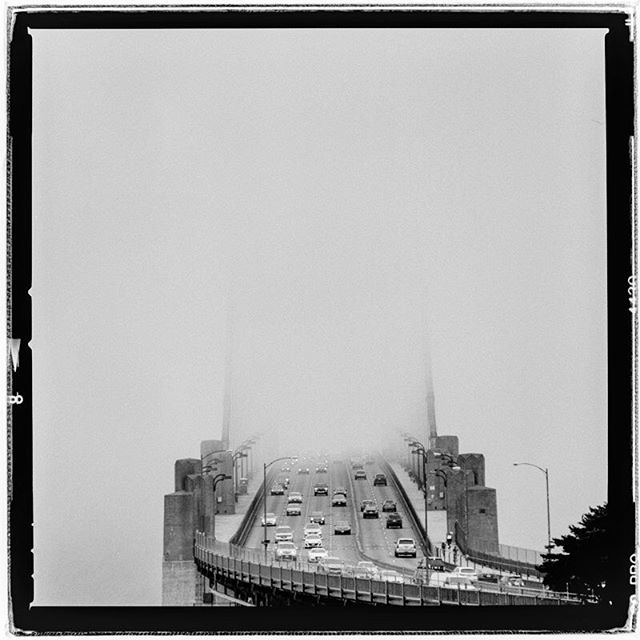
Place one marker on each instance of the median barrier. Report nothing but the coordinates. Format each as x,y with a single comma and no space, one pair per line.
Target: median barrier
242,534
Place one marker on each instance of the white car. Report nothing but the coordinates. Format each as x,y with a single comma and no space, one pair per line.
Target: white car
405,547
294,510
317,553
295,497
284,534
312,529
312,541
368,568
286,551
338,501
467,574
331,564
391,576
270,520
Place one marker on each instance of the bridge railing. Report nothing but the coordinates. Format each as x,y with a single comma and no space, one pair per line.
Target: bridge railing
249,565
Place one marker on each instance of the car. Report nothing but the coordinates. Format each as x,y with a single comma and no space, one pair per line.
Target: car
295,497
388,575
360,475
405,547
277,490
317,553
286,551
284,534
356,464
341,490
389,505
294,510
321,469
465,572
369,460
312,529
339,500
370,511
331,564
317,517
284,481
342,527
269,520
348,570
493,578
368,568
320,489
286,468
303,471
364,503
311,541
512,581
394,521
436,564
380,480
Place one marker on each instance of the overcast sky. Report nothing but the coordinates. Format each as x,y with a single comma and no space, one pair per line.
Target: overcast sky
359,192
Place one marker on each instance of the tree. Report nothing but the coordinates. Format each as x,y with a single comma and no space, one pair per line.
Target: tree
582,566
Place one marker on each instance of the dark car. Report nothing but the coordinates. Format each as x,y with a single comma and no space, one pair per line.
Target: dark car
489,577
394,521
380,479
277,490
321,469
342,527
303,471
370,511
389,505
317,517
360,475
341,490
320,490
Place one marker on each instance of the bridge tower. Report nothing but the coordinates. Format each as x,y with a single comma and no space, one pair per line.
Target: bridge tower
430,400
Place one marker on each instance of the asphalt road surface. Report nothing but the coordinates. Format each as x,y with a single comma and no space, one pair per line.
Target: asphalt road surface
369,538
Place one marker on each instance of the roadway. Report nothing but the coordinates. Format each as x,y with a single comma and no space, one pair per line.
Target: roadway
369,539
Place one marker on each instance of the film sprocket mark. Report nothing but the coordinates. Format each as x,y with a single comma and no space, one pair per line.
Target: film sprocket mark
17,399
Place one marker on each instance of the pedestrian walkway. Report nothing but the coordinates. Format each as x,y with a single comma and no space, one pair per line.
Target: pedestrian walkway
227,524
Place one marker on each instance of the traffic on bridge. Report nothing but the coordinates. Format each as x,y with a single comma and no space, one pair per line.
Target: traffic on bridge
356,513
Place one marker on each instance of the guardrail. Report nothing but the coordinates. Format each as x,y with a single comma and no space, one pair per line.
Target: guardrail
225,560
241,536
493,561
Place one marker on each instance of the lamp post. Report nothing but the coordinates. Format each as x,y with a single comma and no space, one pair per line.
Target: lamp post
266,465
419,449
238,455
421,479
211,453
249,466
454,466
220,478
546,477
216,481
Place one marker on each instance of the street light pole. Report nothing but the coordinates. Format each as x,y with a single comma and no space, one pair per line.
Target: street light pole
234,461
216,481
419,449
546,476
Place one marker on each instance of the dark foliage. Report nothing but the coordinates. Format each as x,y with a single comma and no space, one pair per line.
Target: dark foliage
582,565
